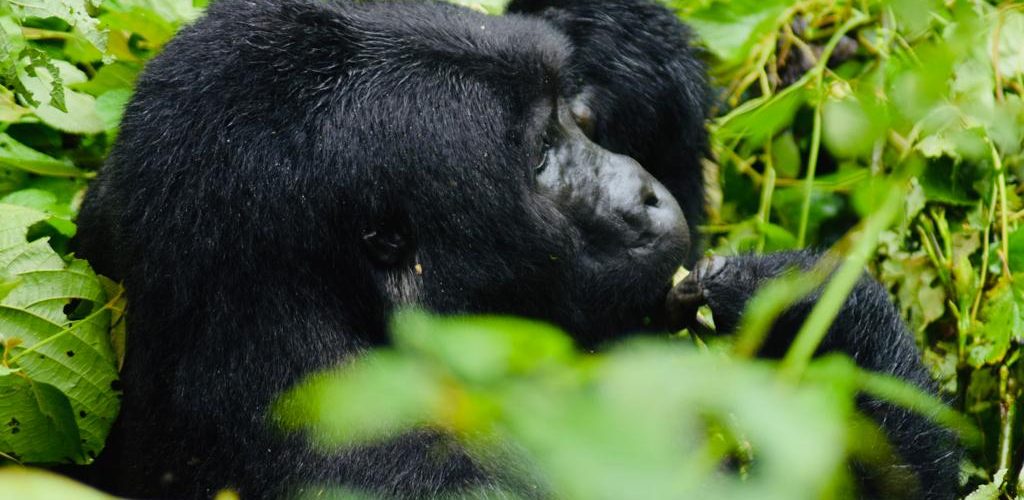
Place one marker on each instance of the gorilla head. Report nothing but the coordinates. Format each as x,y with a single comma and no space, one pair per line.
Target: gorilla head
398,154
290,172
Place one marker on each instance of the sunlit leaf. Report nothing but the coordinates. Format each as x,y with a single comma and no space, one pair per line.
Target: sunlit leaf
80,117
34,484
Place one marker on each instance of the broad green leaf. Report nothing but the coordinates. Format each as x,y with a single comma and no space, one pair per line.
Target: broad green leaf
69,349
73,12
1002,322
36,422
758,120
46,201
732,28
786,156
1015,259
10,111
908,14
852,125
1011,39
16,155
114,76
380,393
172,11
951,182
141,21
80,117
22,483
11,44
482,348
110,108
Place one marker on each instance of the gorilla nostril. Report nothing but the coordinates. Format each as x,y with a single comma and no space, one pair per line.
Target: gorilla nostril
651,200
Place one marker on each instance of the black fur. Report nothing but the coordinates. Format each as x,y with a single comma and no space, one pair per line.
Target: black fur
291,171
868,329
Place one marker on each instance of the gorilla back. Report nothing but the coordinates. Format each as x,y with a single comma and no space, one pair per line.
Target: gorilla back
290,172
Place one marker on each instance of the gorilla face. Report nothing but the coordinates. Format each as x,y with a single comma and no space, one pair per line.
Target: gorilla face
618,206
560,210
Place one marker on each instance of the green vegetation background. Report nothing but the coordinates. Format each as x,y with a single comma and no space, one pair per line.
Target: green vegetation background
890,132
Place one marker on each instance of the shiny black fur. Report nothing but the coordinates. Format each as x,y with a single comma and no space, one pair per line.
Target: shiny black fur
291,171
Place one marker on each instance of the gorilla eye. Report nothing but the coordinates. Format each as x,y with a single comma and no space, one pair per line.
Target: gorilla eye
387,247
543,165
583,115
545,147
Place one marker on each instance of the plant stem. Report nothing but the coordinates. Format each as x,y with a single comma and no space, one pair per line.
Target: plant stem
1003,212
764,212
1007,415
812,165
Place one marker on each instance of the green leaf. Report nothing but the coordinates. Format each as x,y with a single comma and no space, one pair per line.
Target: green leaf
36,422
141,21
40,59
46,201
12,43
73,12
33,484
381,392
756,121
730,29
110,108
10,111
16,155
990,491
1003,321
1015,259
173,11
114,76
80,116
786,156
482,348
69,349
852,125
1011,39
487,6
951,182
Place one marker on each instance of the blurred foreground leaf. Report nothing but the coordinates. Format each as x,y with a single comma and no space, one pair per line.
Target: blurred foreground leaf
656,417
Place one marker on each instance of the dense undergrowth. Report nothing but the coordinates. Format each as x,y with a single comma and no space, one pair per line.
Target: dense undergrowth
888,131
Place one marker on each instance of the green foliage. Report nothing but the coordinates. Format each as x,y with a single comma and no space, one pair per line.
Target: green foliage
825,103
67,69
57,366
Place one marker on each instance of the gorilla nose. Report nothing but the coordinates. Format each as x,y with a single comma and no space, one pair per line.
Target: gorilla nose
661,209
649,196
643,202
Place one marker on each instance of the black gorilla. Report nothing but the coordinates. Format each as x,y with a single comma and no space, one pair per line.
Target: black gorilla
291,171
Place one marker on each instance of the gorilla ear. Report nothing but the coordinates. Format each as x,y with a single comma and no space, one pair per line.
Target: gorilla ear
387,247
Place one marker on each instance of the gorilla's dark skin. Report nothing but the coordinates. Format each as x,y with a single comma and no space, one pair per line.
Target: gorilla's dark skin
292,171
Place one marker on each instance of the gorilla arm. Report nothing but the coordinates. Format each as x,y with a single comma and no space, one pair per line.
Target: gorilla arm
868,328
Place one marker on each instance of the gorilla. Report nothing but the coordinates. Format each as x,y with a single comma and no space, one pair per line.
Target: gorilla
290,172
